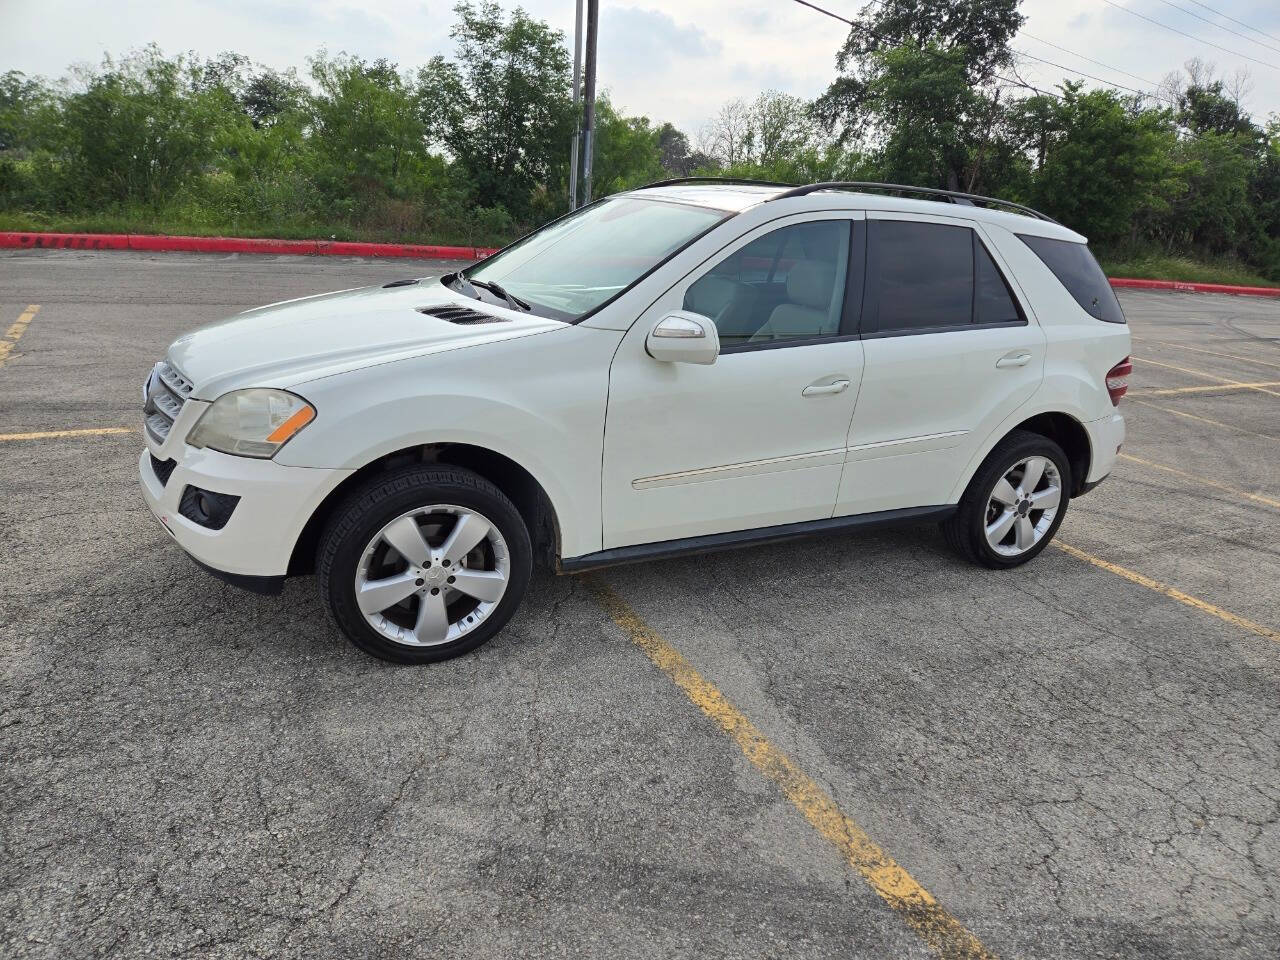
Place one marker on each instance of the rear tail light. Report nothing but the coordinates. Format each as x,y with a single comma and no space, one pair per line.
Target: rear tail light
1118,380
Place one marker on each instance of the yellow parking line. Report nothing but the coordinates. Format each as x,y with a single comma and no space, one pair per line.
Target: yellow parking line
1211,388
1213,353
942,932
15,332
1209,376
53,434
1171,592
1204,480
1192,416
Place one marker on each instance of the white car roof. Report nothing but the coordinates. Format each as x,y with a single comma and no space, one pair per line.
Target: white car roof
736,197
722,196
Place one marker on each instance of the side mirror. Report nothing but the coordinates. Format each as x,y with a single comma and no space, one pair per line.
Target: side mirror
683,337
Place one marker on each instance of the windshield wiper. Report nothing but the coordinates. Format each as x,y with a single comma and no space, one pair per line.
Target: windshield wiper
463,285
494,288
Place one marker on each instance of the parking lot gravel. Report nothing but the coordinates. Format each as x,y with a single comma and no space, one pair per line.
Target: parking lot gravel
1076,758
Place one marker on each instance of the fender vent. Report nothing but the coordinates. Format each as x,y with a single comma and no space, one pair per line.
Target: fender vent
461,315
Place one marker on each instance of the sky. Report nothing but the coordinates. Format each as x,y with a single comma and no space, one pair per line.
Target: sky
676,60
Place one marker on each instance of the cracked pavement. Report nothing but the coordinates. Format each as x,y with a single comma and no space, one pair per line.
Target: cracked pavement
1074,765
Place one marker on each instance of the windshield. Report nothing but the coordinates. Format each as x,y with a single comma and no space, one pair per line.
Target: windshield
577,263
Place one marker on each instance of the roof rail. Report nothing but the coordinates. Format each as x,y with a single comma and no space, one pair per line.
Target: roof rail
731,180
969,199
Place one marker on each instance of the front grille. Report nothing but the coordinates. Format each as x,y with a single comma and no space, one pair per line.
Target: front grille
461,315
166,392
163,468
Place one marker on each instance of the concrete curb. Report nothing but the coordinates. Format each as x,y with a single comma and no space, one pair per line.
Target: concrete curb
1182,287
411,251
138,241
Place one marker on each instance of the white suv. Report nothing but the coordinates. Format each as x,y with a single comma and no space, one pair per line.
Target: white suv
681,368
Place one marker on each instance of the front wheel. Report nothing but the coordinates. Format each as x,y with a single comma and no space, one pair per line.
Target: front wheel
424,563
1014,504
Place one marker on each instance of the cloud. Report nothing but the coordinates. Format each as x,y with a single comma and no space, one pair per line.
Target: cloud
675,60
645,40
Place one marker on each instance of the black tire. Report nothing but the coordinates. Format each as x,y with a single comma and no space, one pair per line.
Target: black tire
966,531
379,501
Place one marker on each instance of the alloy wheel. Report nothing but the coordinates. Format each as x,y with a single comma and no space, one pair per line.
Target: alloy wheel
1022,506
432,575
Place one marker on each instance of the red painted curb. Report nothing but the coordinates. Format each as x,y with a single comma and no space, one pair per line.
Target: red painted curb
412,251
1182,287
138,241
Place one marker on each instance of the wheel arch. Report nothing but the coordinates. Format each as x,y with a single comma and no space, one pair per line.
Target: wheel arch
1068,433
1063,428
513,479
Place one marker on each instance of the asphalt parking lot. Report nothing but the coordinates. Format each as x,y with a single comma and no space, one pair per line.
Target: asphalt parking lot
852,747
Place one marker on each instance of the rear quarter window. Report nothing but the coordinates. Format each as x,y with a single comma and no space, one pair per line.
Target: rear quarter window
1075,268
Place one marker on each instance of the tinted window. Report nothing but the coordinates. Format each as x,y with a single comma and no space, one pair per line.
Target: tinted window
992,302
1075,268
924,274
788,284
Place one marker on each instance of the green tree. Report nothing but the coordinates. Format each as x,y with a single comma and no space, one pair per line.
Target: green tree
912,76
1107,165
1212,210
139,129
268,96
626,151
367,132
1207,109
674,153
21,102
1264,196
503,109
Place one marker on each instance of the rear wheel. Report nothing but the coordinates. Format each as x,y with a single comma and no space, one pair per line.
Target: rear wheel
1014,504
424,564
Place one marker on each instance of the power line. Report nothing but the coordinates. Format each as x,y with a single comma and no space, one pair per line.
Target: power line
1100,63
1018,81
1234,20
1190,36
1029,36
1119,86
833,16
1175,104
1212,23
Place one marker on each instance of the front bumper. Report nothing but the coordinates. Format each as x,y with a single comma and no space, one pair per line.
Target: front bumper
258,540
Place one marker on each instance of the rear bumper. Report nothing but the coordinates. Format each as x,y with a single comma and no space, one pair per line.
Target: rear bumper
1106,436
257,540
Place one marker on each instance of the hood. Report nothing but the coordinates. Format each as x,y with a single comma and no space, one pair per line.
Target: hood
298,340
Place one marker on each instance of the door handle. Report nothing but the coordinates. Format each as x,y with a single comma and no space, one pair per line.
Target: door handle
822,389
1014,360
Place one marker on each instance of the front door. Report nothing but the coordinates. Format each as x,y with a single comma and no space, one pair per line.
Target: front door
756,439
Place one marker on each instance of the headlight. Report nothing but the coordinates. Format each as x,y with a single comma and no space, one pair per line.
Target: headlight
251,423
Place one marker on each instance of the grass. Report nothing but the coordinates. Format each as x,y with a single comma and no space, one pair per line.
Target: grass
1167,267
26,221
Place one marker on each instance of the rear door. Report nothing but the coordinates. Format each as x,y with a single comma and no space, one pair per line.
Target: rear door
951,350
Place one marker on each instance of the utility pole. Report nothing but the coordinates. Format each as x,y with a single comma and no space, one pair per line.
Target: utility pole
577,109
589,95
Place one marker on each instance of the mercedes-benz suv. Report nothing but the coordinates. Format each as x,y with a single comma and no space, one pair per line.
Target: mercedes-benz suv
685,367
